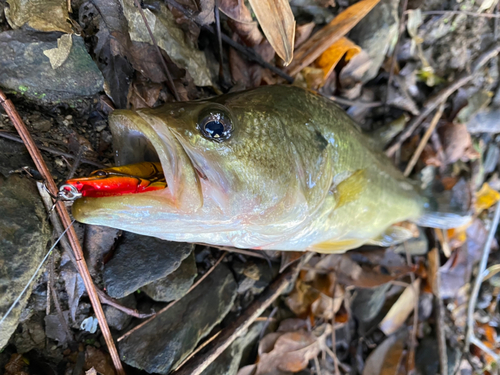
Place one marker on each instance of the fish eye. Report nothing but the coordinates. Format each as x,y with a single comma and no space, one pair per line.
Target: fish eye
215,125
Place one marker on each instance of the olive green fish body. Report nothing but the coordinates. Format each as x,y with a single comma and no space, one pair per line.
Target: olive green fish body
270,168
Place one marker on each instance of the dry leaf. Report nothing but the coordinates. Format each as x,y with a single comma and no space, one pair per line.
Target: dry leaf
329,34
241,22
92,371
278,23
331,57
486,197
59,55
457,143
302,33
401,309
46,15
386,356
291,351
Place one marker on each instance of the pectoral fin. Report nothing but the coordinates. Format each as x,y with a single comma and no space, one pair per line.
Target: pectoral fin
350,189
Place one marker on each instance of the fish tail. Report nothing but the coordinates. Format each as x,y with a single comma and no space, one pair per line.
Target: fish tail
441,212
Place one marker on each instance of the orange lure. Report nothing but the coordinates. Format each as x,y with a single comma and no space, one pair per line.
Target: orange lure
129,179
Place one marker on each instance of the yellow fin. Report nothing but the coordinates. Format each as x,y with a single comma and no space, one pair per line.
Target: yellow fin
350,189
392,236
336,246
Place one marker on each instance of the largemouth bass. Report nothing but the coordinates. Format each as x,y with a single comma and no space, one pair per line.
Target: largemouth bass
276,167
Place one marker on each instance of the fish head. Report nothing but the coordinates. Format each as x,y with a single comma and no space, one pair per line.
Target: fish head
230,162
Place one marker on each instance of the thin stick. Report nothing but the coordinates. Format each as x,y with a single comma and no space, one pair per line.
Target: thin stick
197,350
334,336
33,277
52,150
107,300
219,40
170,81
424,140
441,96
357,103
402,24
60,314
66,221
459,12
251,55
413,342
436,288
200,362
173,303
479,279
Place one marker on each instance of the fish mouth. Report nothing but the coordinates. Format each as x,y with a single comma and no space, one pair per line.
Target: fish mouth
145,137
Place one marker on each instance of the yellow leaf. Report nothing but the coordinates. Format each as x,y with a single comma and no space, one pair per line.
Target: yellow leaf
486,197
324,38
278,24
331,57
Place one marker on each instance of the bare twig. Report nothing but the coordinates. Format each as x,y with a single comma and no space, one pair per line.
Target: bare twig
424,140
402,25
170,81
51,150
441,96
66,221
200,362
173,303
219,40
459,12
413,342
470,337
357,103
334,336
77,161
198,349
107,300
60,314
436,289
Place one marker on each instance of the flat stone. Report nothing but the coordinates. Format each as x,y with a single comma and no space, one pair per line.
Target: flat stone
24,235
175,285
141,260
25,69
164,342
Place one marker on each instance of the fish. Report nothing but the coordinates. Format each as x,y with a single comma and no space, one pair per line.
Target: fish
275,167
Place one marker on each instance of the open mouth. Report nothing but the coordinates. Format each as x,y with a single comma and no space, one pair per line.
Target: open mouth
149,157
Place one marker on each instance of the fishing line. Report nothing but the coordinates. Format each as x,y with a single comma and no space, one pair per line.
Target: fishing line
34,274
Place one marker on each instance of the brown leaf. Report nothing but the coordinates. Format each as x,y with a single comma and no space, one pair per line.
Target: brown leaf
302,33
47,15
291,351
278,23
95,358
456,140
329,34
401,309
386,357
301,298
241,21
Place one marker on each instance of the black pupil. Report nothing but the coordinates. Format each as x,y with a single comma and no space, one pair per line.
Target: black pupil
215,129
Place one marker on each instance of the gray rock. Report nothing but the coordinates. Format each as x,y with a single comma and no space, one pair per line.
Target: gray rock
26,70
167,340
375,32
229,361
24,235
98,241
118,319
175,285
13,155
140,260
